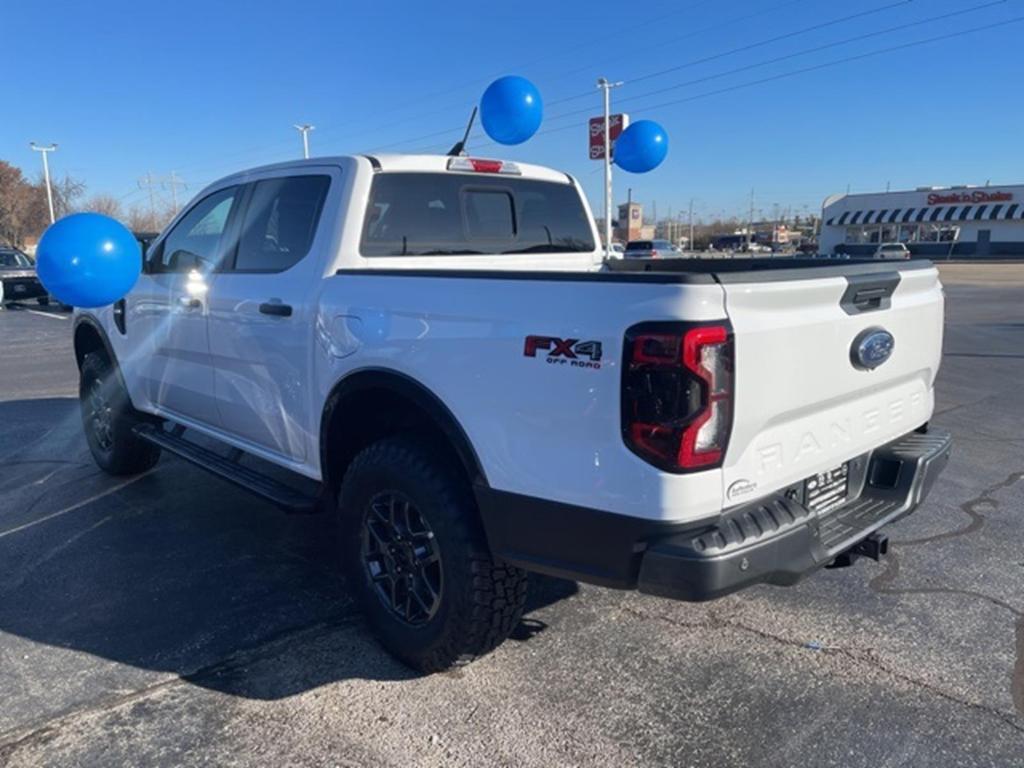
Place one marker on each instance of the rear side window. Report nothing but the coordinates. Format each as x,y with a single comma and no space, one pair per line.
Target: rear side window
438,214
280,222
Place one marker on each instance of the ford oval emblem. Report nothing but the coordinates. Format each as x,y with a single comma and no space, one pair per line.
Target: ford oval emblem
871,348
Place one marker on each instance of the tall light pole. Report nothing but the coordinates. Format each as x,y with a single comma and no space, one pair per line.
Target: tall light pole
304,129
46,173
606,86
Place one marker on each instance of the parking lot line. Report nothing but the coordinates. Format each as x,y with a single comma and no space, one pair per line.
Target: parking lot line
48,314
77,505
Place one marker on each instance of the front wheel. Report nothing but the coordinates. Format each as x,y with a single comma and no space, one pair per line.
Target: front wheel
418,559
108,419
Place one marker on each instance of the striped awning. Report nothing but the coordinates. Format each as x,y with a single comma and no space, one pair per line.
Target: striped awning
938,213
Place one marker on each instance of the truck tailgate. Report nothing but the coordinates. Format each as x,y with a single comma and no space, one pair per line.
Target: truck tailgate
805,401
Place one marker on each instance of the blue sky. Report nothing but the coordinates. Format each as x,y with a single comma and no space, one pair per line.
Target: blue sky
205,88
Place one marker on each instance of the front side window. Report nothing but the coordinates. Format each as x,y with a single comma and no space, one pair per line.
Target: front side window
195,241
280,222
437,214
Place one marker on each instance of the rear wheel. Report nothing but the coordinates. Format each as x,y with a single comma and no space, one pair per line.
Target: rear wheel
418,560
108,419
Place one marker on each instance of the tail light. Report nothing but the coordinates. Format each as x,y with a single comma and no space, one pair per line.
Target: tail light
677,394
479,165
654,253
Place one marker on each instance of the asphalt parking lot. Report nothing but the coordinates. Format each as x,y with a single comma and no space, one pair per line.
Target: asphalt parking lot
171,619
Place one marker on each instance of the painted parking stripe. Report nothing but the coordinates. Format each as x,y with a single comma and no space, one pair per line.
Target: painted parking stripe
77,505
48,314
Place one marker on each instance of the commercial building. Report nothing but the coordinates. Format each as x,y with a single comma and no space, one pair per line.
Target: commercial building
936,222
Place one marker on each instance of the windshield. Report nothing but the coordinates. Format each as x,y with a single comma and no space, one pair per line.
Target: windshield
434,214
14,259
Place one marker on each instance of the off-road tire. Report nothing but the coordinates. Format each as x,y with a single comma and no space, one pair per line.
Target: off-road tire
114,447
480,600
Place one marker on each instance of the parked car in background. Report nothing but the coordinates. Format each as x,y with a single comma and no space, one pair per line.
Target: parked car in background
649,249
892,251
18,278
618,250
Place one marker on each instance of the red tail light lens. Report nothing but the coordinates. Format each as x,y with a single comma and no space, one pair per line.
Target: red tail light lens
677,394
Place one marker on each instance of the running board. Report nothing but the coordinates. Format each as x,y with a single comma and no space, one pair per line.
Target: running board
284,496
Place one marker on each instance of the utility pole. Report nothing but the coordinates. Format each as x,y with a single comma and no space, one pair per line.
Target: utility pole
606,86
690,243
148,182
750,221
46,173
173,181
304,129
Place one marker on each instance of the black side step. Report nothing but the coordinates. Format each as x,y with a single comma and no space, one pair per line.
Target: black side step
284,496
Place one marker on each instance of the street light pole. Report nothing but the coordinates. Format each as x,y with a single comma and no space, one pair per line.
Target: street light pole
46,174
606,86
304,129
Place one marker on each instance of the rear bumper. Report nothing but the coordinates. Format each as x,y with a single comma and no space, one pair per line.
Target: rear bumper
15,288
775,540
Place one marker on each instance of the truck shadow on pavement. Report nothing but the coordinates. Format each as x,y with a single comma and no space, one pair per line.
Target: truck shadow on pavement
173,571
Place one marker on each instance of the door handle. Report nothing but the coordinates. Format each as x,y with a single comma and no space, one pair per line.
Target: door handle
276,309
189,302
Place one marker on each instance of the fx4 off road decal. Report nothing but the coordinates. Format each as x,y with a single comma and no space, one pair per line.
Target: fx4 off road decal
571,352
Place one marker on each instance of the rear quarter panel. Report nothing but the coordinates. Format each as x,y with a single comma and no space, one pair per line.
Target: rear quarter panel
544,429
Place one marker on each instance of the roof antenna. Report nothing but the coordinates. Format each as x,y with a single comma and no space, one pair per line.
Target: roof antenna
460,146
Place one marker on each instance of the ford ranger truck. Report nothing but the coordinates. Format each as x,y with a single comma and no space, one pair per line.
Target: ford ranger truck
435,349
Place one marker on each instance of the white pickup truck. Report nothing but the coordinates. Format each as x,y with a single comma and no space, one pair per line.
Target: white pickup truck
437,344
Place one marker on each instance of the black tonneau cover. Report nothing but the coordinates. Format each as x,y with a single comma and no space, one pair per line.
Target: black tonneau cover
764,270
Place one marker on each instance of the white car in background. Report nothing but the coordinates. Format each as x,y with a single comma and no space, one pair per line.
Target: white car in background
888,251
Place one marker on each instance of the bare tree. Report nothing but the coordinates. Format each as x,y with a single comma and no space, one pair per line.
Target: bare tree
143,219
108,205
65,192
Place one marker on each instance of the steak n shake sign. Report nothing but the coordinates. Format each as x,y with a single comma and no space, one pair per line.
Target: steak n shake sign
972,196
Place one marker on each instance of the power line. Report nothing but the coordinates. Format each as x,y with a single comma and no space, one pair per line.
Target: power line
796,54
776,39
761,43
816,67
714,57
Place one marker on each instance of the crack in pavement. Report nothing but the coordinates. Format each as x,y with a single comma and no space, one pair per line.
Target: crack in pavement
43,730
866,657
882,582
970,508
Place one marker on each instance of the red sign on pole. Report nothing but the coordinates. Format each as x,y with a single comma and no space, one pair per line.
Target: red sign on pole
617,124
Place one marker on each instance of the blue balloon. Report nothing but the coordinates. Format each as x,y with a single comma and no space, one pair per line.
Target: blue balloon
641,147
511,110
88,260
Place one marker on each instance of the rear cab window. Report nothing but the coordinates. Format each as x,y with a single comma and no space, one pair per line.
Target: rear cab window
451,214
